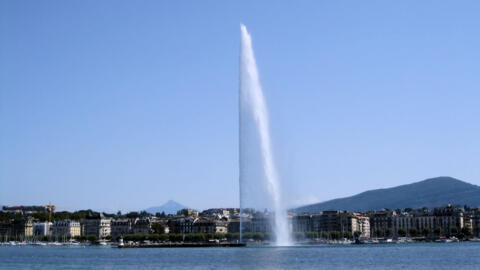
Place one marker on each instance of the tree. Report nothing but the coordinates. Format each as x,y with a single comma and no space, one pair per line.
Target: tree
247,235
298,235
144,214
454,230
158,228
413,232
258,236
426,232
388,232
133,215
232,236
92,238
437,231
335,235
466,231
175,237
401,232
311,235
379,232
357,234
160,215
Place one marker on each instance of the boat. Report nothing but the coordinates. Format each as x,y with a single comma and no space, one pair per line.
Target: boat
102,243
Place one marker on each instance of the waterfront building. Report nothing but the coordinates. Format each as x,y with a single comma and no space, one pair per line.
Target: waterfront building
120,227
381,223
364,225
302,223
160,226
449,217
5,229
66,227
207,225
142,226
100,227
475,214
329,221
234,225
42,228
181,225
23,227
261,223
349,224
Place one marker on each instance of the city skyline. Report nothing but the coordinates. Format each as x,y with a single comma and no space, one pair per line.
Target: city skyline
133,107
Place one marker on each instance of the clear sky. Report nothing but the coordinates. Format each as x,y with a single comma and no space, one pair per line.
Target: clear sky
126,104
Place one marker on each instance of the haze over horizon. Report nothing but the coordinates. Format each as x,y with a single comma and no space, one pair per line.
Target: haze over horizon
127,109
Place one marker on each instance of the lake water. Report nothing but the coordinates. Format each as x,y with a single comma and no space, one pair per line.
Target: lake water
389,256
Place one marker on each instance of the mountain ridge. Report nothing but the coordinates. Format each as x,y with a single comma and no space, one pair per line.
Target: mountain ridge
170,207
432,192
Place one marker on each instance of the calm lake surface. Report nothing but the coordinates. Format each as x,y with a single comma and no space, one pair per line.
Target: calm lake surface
388,256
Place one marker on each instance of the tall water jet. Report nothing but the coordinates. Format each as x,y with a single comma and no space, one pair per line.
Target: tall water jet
259,183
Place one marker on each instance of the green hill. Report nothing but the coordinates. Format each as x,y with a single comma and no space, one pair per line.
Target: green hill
427,193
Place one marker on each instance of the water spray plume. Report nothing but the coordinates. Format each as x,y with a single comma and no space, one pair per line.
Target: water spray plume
254,117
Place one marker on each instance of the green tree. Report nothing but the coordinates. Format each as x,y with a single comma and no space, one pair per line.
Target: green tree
158,228
466,231
401,232
311,235
426,232
258,236
388,232
144,214
160,215
454,230
232,236
92,238
379,232
133,215
298,236
175,237
413,231
357,234
154,237
334,235
437,231
247,235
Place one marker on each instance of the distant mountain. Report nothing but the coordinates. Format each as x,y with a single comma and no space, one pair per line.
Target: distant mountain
170,207
427,193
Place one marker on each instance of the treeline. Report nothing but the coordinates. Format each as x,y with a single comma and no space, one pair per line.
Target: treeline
202,237
426,232
77,215
177,237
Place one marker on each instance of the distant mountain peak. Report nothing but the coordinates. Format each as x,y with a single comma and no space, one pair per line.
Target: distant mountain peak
170,207
432,192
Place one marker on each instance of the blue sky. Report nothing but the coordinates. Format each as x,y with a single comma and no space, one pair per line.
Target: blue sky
126,104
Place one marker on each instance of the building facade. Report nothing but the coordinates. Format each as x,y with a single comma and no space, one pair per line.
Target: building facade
67,227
